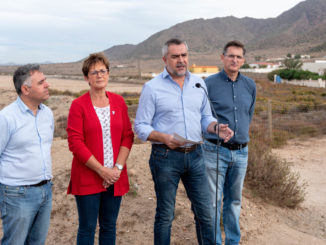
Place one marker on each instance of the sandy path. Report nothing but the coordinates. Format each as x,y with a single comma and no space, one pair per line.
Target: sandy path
309,159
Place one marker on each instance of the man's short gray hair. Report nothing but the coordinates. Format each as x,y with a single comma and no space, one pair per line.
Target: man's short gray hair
22,76
172,41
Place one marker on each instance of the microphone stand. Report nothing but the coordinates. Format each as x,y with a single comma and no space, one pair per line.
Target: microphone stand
198,85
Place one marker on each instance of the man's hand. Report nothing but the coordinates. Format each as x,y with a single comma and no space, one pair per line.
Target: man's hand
164,138
224,132
171,142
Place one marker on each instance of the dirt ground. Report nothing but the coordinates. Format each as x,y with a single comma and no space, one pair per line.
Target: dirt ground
261,223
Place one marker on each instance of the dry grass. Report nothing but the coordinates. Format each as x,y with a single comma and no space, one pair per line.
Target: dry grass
297,112
272,178
60,127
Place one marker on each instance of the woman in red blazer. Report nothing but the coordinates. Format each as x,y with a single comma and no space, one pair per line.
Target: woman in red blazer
100,138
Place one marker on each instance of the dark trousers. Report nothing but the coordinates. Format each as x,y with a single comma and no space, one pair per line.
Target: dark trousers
104,206
167,168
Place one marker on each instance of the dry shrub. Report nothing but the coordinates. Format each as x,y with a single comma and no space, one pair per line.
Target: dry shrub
67,92
130,94
133,189
60,127
132,109
272,178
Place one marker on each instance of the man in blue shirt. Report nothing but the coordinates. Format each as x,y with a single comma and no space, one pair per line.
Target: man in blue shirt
26,129
233,97
171,104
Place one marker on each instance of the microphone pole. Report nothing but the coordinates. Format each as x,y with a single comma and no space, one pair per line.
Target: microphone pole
198,85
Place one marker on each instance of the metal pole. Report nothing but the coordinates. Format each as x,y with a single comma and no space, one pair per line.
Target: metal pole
216,183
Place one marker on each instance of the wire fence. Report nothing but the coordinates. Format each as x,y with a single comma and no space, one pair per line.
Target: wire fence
276,121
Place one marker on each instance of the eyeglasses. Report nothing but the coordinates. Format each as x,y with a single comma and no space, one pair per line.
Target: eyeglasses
232,56
101,72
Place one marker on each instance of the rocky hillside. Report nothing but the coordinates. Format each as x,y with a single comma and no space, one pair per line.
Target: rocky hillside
298,30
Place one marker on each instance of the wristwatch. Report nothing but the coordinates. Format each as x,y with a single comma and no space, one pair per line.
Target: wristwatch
119,166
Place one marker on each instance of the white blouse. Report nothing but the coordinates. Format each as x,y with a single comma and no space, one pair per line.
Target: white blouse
103,114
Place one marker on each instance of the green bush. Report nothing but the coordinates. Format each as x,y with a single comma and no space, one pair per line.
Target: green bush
290,74
245,66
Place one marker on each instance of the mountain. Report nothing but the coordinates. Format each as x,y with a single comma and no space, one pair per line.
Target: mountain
299,29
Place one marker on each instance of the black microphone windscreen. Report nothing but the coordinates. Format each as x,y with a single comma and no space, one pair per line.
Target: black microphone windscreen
198,85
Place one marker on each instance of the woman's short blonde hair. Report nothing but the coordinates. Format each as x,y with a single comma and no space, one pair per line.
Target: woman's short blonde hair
92,59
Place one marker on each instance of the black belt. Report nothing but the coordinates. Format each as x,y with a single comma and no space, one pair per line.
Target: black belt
43,182
186,149
230,146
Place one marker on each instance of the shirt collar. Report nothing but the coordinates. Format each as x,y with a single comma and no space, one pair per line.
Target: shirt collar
166,74
24,108
226,77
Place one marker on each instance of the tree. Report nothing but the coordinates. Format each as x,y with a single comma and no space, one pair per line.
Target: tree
289,55
292,64
245,66
297,56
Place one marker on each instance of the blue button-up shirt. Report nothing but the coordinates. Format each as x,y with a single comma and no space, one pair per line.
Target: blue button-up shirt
165,107
25,144
234,103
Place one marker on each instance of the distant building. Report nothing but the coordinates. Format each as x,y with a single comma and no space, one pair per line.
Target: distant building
305,56
318,66
264,65
203,69
261,67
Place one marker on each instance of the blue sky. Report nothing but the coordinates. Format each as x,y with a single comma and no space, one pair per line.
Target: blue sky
65,31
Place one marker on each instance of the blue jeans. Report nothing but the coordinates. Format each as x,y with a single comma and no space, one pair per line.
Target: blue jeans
104,206
25,214
231,174
167,168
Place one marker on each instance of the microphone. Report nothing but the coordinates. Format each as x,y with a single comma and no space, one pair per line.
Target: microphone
198,85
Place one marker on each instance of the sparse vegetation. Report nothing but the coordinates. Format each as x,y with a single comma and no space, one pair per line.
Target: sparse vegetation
319,48
133,188
296,112
272,178
60,127
66,92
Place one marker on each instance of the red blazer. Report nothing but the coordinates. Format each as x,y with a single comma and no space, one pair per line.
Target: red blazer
85,139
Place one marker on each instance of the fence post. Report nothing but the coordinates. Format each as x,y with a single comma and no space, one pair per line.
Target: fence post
270,120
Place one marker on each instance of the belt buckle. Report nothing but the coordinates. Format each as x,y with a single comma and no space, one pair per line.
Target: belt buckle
187,149
190,148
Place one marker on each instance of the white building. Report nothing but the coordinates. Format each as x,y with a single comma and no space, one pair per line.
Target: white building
318,66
